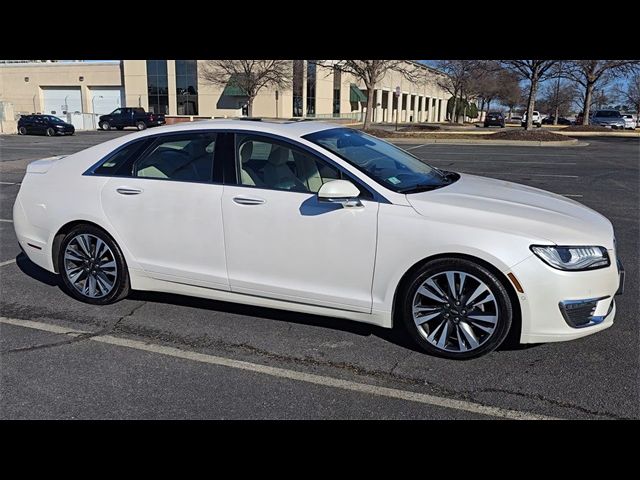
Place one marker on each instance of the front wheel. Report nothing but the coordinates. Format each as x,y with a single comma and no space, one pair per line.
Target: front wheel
141,125
105,126
456,309
50,132
92,266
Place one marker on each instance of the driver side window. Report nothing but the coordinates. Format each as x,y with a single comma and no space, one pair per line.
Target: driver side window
265,163
187,158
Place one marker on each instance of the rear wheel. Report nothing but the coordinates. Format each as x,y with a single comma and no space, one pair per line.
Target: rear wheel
92,266
456,309
105,126
141,125
22,130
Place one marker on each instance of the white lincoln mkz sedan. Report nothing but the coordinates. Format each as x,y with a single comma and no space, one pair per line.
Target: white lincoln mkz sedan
315,218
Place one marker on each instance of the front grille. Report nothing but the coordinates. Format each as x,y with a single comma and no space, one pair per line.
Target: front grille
580,313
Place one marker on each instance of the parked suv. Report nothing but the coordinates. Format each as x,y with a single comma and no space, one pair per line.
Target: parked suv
608,118
48,125
494,119
130,117
629,122
536,119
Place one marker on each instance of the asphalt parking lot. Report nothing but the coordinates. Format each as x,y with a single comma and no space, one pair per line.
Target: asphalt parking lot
156,356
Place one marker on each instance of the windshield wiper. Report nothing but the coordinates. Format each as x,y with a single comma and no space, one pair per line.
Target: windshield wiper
421,187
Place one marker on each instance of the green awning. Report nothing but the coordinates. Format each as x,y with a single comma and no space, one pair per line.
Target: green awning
233,90
357,95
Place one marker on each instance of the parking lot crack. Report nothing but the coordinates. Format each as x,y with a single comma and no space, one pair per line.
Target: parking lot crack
76,337
541,398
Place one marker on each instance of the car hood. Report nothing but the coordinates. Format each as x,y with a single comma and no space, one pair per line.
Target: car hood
517,209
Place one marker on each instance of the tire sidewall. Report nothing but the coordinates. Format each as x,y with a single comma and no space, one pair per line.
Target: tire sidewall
121,288
105,126
141,126
50,132
505,308
22,131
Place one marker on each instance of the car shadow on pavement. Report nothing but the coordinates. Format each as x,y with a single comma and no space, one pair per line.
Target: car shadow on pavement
396,335
37,273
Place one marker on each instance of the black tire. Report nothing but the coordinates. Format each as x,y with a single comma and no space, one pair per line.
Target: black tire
105,125
121,286
49,132
141,125
504,307
22,131
119,128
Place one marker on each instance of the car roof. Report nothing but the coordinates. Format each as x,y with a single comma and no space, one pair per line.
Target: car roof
287,128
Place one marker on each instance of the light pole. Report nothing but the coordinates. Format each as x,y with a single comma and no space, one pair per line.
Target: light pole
93,108
398,105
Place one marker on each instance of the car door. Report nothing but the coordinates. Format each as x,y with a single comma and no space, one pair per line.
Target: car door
117,117
39,125
165,205
281,242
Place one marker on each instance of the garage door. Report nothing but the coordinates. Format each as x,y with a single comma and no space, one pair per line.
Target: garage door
106,100
64,102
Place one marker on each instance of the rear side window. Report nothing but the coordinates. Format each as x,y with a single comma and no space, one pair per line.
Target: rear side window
116,163
186,157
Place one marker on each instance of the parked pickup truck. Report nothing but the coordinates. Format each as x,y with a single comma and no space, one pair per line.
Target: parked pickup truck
130,117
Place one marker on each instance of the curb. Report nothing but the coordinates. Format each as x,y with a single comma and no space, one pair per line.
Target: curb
601,134
524,143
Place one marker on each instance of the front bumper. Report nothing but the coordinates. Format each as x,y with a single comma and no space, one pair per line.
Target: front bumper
546,290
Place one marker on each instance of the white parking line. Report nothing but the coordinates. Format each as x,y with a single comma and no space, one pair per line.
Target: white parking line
8,262
500,163
5,220
571,195
322,380
527,174
9,183
505,154
414,147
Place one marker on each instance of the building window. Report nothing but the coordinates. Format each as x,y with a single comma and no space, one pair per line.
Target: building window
158,86
311,88
337,81
187,87
298,81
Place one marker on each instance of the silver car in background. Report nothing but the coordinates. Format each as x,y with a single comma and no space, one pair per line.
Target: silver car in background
608,118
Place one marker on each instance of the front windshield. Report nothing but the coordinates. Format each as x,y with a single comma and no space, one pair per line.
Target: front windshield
387,164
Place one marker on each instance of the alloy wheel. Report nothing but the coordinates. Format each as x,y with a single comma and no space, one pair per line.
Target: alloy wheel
90,266
455,311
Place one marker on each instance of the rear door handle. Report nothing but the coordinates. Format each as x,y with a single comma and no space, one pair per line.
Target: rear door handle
248,201
128,191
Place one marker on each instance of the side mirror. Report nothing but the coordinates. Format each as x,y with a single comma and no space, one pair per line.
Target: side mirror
340,191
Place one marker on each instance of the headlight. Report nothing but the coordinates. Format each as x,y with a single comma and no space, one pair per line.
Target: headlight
59,126
572,258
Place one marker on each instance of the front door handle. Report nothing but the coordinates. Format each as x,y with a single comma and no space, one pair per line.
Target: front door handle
128,191
248,201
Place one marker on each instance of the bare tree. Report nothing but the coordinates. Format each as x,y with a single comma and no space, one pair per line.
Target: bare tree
460,75
510,93
535,71
558,97
590,74
250,76
631,94
371,72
